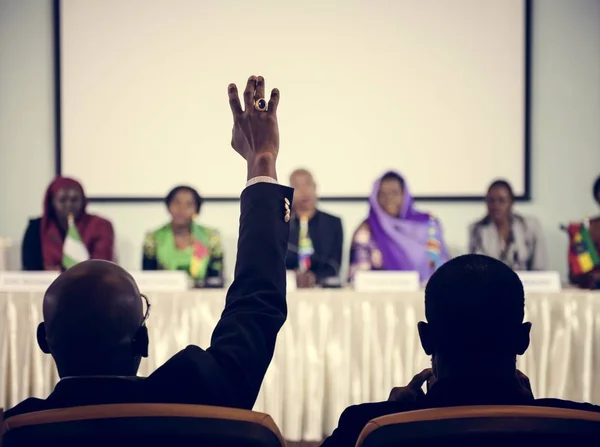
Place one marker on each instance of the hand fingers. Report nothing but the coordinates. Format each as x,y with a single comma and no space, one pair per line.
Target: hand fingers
260,88
234,100
249,94
274,101
418,380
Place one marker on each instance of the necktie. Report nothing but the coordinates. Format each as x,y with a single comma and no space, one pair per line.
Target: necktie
305,247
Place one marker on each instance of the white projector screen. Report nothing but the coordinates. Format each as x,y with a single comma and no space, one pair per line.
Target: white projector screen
434,89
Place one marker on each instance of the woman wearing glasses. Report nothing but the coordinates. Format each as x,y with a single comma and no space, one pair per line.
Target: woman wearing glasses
511,238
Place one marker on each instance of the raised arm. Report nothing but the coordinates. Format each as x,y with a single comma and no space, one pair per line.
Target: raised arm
230,372
244,339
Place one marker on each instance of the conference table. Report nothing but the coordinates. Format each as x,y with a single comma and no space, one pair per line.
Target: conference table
337,348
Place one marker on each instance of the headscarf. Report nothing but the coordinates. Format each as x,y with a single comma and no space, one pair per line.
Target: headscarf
51,233
403,240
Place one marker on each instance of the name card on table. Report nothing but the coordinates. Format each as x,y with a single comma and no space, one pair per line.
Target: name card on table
386,281
290,279
26,281
540,281
162,281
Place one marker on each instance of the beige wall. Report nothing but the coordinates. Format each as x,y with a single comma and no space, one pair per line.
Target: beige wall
565,133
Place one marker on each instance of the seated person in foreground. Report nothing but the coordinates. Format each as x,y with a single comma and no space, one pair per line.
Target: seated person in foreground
316,238
66,234
474,307
395,236
182,244
587,276
94,323
516,240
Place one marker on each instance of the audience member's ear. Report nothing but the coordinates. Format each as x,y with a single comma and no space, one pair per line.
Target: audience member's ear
41,338
140,342
522,341
427,338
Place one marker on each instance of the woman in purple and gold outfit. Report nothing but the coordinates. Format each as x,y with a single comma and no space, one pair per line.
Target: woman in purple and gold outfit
395,236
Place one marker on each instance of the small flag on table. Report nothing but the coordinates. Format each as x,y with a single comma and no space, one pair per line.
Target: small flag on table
583,256
74,250
434,247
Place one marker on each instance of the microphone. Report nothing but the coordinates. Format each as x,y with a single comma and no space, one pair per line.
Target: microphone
326,282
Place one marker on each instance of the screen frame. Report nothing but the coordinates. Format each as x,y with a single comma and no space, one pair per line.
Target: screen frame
525,197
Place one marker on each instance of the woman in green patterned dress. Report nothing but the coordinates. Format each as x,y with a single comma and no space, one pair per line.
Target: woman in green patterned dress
182,244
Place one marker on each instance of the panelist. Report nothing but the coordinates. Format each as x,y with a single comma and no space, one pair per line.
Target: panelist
66,234
514,239
590,279
182,244
316,238
395,236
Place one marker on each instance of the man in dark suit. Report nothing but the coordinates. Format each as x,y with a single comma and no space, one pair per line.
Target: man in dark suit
474,307
316,238
94,324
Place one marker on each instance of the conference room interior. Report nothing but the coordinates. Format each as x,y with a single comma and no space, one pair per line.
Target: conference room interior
452,96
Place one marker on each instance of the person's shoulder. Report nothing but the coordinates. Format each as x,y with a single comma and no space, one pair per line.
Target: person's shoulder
329,218
479,223
362,235
530,220
101,222
34,223
363,413
154,237
567,404
213,235
210,231
27,406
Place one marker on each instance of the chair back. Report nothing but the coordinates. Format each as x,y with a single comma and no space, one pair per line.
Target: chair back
128,425
506,426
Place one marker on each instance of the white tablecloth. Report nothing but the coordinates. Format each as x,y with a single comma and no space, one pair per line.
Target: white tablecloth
337,348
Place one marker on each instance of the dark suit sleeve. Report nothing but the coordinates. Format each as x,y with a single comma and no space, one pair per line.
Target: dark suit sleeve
31,247
231,371
337,247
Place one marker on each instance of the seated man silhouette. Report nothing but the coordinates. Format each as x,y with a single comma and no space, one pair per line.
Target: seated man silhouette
94,322
474,307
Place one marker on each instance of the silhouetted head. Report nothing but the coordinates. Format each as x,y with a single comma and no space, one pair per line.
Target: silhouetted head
596,190
94,321
183,203
474,307
499,200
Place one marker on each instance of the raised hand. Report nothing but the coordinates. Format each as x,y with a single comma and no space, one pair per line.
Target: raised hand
255,134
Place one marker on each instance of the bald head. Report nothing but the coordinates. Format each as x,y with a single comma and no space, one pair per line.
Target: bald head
305,191
92,311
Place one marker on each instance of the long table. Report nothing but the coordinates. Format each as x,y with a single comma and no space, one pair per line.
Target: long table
338,348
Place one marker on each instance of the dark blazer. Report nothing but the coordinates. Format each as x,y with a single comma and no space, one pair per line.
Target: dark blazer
31,248
230,372
444,393
327,237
